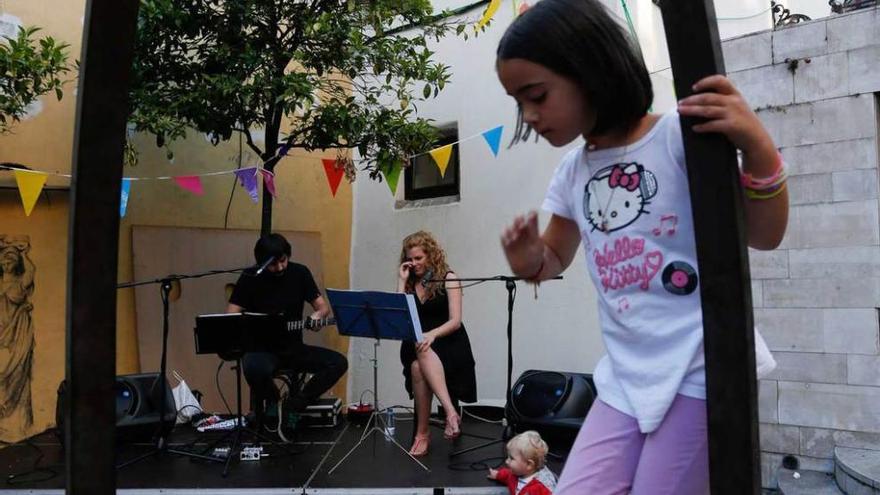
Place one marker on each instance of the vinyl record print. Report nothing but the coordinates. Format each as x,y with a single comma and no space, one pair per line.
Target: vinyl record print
679,278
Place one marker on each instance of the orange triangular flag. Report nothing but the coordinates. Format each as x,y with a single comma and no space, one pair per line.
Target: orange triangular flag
334,170
30,184
441,157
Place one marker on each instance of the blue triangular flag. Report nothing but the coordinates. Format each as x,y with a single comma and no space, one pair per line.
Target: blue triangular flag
123,200
493,138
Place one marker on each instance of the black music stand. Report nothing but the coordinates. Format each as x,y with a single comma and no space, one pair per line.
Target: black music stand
510,285
231,335
376,315
165,284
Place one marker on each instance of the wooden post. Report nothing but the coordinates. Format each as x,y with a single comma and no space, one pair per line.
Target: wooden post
101,114
722,255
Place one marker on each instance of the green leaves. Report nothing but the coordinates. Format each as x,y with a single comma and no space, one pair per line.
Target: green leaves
30,68
334,69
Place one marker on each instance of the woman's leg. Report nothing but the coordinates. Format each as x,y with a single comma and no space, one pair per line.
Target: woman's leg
432,371
604,456
675,458
422,397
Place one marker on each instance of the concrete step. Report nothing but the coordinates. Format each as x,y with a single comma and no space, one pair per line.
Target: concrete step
857,470
806,483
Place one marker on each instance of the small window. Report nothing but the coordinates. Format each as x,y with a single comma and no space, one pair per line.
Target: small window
422,179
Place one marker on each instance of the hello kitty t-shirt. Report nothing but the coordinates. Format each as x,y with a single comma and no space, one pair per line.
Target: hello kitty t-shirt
633,210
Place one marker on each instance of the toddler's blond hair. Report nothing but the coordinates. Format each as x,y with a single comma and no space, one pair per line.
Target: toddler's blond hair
530,446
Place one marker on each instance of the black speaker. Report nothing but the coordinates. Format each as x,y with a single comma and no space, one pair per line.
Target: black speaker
138,398
554,403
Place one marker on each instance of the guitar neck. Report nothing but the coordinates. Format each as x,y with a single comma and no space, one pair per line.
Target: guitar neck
309,324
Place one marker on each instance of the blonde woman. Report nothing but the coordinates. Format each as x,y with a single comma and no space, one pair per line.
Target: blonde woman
442,364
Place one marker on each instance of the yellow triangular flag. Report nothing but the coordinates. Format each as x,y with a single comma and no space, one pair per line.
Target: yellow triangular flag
489,13
30,184
441,158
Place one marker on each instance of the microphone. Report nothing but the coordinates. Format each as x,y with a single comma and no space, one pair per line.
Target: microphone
265,264
427,277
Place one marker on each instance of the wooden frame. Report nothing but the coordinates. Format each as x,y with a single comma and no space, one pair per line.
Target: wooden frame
722,256
99,138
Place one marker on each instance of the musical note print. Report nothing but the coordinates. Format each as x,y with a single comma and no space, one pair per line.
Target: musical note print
670,222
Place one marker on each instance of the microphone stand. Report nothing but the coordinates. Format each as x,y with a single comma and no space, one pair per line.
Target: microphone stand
165,284
510,285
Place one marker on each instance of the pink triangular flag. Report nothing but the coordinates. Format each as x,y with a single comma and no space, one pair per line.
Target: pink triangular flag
192,183
268,181
335,170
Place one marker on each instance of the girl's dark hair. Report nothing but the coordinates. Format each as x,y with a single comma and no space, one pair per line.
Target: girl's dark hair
579,39
271,245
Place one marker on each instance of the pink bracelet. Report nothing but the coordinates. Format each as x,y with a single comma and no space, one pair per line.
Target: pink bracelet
765,183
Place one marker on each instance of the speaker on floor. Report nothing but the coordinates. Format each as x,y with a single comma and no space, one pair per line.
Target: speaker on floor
138,399
554,403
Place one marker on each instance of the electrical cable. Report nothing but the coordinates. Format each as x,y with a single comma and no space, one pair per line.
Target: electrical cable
16,478
219,391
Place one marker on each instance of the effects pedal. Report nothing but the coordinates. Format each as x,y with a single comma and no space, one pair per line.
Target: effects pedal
253,453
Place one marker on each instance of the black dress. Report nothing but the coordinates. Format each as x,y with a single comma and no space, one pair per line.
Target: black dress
454,350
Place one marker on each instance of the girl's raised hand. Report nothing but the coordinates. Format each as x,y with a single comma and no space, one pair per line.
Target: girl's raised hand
523,245
719,101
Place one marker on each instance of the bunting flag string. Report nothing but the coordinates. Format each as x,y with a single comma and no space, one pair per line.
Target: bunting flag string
30,185
493,138
392,175
335,170
31,182
247,177
123,199
441,158
489,13
269,181
191,183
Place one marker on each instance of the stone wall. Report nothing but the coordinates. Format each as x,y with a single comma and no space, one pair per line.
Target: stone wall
816,298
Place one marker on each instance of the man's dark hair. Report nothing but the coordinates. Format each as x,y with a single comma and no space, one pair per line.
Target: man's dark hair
579,40
271,245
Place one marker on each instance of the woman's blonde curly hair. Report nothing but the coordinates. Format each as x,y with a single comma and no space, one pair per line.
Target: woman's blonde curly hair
434,255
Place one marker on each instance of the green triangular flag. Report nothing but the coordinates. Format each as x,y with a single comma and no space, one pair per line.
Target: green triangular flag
392,174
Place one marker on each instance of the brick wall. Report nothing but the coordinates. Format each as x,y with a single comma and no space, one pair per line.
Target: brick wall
816,297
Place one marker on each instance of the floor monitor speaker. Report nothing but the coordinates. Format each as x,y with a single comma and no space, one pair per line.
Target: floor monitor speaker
138,398
554,403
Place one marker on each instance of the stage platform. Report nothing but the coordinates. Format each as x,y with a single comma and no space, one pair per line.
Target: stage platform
377,467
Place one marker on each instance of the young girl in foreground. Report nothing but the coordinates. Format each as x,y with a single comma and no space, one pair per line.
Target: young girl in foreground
624,195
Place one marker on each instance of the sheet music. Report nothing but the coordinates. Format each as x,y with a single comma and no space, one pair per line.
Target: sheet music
414,315
395,314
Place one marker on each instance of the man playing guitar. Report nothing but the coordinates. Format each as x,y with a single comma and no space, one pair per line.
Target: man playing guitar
281,286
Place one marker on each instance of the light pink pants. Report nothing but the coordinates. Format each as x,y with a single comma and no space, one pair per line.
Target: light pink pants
611,456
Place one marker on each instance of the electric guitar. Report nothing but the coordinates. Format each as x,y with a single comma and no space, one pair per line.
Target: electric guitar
310,324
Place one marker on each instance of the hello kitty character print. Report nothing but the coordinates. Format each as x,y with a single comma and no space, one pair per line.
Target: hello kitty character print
616,196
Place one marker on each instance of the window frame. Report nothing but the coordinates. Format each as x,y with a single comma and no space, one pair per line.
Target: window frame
448,135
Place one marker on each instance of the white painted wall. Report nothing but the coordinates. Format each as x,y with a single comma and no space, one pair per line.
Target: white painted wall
559,329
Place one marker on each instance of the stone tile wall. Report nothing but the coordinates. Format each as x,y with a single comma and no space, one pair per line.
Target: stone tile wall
816,297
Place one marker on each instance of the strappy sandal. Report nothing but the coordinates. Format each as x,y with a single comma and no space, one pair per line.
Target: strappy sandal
453,427
420,445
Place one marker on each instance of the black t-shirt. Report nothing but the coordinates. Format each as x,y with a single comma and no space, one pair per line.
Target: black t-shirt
272,293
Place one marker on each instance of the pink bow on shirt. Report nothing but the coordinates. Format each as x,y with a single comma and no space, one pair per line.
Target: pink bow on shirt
619,178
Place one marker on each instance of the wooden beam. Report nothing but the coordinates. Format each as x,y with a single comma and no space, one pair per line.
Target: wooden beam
722,255
101,114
